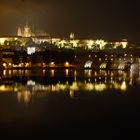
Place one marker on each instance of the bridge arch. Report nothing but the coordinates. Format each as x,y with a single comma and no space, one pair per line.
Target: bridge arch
103,66
88,64
121,66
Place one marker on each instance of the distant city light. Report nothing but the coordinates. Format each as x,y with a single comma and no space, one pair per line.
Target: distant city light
4,64
123,86
31,50
52,64
31,83
67,64
2,40
124,44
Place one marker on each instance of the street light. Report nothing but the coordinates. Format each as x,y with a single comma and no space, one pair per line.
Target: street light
52,64
67,64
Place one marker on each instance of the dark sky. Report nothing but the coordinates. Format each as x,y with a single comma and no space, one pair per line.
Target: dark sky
107,19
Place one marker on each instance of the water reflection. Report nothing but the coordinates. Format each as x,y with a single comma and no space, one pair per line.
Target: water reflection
27,84
52,73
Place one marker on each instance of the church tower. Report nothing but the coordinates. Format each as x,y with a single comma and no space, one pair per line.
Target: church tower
27,31
19,32
72,36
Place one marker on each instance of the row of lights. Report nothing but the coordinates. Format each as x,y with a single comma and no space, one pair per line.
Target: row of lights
52,64
105,55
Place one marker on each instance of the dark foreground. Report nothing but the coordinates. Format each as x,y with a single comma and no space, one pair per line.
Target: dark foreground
110,114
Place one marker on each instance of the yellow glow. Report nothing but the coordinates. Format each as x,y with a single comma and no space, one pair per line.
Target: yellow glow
116,85
61,87
52,64
67,72
4,64
2,40
101,43
5,88
124,44
117,44
15,38
52,73
24,96
71,93
74,87
4,72
30,83
10,64
74,43
112,74
89,86
88,73
103,66
123,86
95,73
44,72
67,64
88,64
90,43
100,87
72,35
55,88
62,43
75,73
10,72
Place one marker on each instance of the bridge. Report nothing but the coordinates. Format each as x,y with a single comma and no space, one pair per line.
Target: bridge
107,62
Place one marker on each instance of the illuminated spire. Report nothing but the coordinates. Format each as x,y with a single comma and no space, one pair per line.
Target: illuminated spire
72,36
19,33
27,31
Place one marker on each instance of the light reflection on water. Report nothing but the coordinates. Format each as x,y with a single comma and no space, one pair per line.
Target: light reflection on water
27,84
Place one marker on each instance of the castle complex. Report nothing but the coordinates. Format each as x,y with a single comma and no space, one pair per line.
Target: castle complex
28,31
25,31
28,37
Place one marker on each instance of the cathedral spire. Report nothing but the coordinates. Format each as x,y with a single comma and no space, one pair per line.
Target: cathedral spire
19,32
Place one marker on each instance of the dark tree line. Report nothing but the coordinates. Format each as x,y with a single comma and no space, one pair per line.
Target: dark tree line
43,57
19,57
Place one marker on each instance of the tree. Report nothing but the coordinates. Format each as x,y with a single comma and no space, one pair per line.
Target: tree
16,58
24,57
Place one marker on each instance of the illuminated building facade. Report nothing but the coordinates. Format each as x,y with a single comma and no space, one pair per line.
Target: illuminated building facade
25,31
72,36
26,34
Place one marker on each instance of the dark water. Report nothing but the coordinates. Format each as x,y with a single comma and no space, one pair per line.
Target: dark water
70,104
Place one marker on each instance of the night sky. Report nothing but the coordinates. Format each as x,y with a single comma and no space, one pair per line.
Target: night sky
106,19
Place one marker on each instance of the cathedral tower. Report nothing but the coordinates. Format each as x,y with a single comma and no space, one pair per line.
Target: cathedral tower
19,32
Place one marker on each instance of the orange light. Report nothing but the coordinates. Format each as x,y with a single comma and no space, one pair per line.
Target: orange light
10,64
4,64
52,64
67,64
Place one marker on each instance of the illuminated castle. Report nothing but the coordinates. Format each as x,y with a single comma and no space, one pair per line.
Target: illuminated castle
25,31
